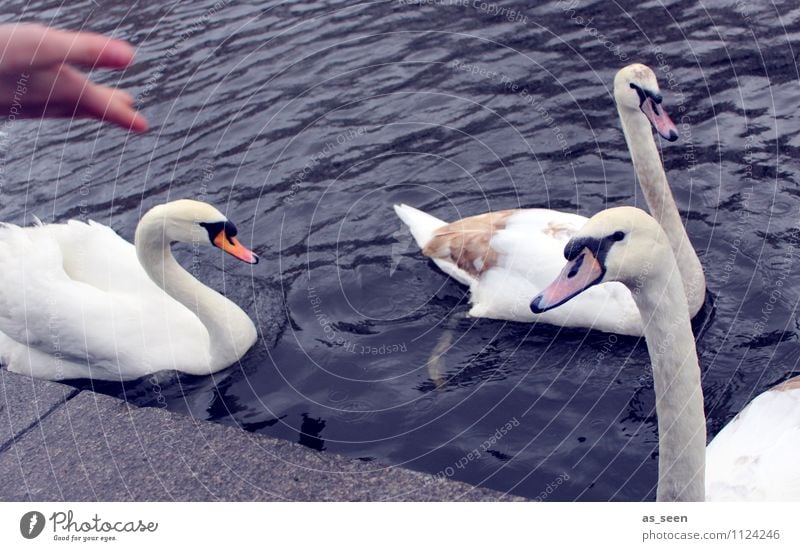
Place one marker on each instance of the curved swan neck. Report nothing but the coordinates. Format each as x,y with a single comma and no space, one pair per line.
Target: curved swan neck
219,315
658,195
676,379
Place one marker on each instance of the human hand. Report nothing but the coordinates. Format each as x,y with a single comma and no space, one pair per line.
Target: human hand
38,77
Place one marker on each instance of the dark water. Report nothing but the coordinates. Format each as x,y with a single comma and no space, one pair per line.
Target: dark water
305,122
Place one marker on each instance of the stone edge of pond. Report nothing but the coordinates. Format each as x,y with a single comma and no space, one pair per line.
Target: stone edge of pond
58,443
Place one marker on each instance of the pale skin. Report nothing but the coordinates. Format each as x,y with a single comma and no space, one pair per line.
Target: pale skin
40,76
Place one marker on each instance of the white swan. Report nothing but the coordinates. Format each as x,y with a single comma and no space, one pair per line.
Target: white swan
77,300
507,257
755,456
636,93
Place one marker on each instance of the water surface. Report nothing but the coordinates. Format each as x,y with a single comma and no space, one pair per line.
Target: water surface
305,122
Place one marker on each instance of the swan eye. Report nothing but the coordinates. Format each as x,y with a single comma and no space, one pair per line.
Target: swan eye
645,93
618,236
639,92
214,229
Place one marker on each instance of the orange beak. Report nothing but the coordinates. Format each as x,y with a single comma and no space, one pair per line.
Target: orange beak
232,246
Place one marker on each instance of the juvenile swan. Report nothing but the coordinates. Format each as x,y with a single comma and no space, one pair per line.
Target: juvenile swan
78,301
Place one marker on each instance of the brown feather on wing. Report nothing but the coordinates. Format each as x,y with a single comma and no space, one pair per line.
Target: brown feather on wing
467,242
791,384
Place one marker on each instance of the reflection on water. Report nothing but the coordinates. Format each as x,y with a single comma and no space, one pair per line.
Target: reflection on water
305,122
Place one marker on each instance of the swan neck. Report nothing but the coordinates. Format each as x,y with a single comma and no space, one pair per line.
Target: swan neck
676,380
658,195
218,315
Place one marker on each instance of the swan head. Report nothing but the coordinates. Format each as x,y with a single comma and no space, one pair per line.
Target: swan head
636,89
196,222
622,244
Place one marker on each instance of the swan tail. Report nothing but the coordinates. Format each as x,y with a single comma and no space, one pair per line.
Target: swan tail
421,224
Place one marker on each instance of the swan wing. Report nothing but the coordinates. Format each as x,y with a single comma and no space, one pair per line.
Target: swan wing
755,456
95,254
423,227
75,292
467,243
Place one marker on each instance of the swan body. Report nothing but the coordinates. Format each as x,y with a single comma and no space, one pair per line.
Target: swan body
755,456
78,301
507,257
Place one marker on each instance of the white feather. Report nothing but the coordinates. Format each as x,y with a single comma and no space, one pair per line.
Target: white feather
756,457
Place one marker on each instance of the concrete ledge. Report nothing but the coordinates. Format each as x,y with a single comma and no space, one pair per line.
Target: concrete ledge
60,444
23,401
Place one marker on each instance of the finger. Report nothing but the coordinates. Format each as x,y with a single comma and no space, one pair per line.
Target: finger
38,46
111,105
127,103
73,93
126,97
82,48
120,95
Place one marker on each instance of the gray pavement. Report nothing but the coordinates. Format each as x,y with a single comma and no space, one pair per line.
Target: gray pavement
58,443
